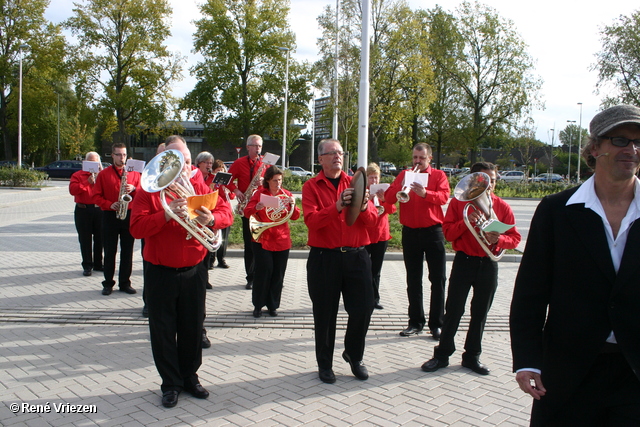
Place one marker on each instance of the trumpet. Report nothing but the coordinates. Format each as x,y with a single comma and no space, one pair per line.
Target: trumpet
403,195
164,174
474,188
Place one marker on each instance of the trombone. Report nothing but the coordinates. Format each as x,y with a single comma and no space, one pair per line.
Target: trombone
164,174
403,195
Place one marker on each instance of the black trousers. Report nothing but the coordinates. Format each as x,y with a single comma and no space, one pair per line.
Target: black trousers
609,395
481,274
176,301
89,227
376,253
221,253
268,277
249,262
329,274
418,243
114,229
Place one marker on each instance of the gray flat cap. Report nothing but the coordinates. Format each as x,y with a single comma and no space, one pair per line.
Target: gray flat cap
612,117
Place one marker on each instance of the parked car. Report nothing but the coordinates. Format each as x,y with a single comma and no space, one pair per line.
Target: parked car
61,168
388,168
297,170
548,177
512,176
8,163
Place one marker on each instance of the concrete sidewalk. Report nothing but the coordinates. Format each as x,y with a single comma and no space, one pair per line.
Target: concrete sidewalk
64,344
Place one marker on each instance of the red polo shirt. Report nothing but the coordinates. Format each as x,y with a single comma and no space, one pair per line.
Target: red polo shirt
166,242
455,230
421,212
107,187
276,238
380,231
243,170
328,227
81,190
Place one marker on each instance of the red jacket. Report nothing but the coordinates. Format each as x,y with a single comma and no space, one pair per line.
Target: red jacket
276,238
419,212
80,188
107,187
241,170
380,231
166,242
455,230
327,226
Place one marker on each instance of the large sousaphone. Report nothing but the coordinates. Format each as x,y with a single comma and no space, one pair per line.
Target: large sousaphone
474,188
164,174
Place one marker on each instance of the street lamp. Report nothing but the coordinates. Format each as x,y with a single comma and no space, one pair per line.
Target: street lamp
286,96
579,142
553,134
58,154
20,48
569,165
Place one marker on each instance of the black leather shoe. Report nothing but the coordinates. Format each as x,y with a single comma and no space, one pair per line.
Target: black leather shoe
170,398
249,285
128,290
411,330
145,311
223,264
358,368
273,313
107,291
377,306
476,366
327,376
209,285
434,364
436,332
86,273
197,391
257,312
205,341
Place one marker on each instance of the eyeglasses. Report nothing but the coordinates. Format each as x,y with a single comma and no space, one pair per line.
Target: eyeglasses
333,153
621,141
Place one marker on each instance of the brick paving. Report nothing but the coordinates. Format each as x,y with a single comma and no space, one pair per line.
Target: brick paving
64,344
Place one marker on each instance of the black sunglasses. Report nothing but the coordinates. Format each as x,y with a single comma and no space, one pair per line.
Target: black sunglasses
621,141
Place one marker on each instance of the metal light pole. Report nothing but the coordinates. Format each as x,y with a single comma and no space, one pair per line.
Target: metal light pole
363,98
313,135
20,48
335,80
579,142
553,134
569,165
286,96
58,154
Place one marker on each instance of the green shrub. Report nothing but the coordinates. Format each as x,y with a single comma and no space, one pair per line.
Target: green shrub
14,177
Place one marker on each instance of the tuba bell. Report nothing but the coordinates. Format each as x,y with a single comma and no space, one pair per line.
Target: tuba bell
164,174
278,216
474,188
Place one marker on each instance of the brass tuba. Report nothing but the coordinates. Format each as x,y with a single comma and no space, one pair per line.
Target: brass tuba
474,188
403,195
164,174
278,215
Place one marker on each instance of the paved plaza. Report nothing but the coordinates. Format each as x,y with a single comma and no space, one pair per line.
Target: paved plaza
65,347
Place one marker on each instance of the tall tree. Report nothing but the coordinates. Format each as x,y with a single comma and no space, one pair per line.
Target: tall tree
618,63
241,80
494,72
123,67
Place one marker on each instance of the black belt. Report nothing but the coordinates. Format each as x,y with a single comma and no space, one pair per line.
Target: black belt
174,269
82,205
346,249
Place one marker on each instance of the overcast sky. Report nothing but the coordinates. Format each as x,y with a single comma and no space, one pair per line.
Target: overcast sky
563,37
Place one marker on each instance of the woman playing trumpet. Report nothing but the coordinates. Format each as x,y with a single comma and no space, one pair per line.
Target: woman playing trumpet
379,233
271,251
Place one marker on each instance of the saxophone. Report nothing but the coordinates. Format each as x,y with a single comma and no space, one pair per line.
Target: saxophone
253,186
123,198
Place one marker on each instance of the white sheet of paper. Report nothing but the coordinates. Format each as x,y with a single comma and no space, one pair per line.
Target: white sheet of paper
270,159
135,165
411,177
269,201
375,187
89,166
495,225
